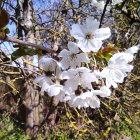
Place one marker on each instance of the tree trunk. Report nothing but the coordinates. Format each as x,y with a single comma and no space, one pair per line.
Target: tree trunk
31,95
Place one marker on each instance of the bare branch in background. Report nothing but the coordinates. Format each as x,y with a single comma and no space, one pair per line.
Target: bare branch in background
15,40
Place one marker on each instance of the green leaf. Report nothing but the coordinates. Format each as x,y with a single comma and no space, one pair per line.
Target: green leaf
107,56
23,52
7,31
18,53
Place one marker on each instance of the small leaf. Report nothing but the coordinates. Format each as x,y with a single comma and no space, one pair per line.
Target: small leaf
7,31
107,56
18,53
23,52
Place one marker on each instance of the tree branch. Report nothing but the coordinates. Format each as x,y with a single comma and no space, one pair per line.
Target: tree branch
15,40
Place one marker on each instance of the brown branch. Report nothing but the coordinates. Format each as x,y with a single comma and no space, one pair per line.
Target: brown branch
15,40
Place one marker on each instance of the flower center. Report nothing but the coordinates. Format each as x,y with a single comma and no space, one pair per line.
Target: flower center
89,36
73,56
79,90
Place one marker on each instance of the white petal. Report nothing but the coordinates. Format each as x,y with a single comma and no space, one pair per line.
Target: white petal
126,68
48,64
97,73
99,5
83,69
68,74
105,91
95,45
104,73
110,82
95,103
114,2
42,79
121,57
64,63
102,33
72,84
63,97
77,31
82,57
133,49
73,47
85,95
64,53
54,90
91,24
118,76
84,45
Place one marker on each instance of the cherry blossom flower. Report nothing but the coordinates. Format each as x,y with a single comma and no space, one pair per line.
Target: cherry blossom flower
47,85
126,56
98,4
87,99
89,35
54,89
80,76
132,50
44,82
103,92
65,95
122,57
115,72
114,2
50,65
73,57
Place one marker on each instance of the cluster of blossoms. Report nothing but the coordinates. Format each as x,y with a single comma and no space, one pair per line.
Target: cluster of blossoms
72,79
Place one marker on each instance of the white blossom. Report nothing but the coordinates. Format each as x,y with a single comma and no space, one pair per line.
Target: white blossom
87,99
103,92
116,71
132,50
50,65
97,73
47,85
73,57
126,56
65,95
98,4
54,89
114,2
44,82
122,57
81,76
89,35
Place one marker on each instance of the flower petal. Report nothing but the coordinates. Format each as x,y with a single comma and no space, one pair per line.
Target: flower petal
102,33
118,76
64,53
91,24
73,48
133,49
95,45
77,31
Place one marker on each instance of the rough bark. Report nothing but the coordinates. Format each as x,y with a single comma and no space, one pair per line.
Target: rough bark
30,93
